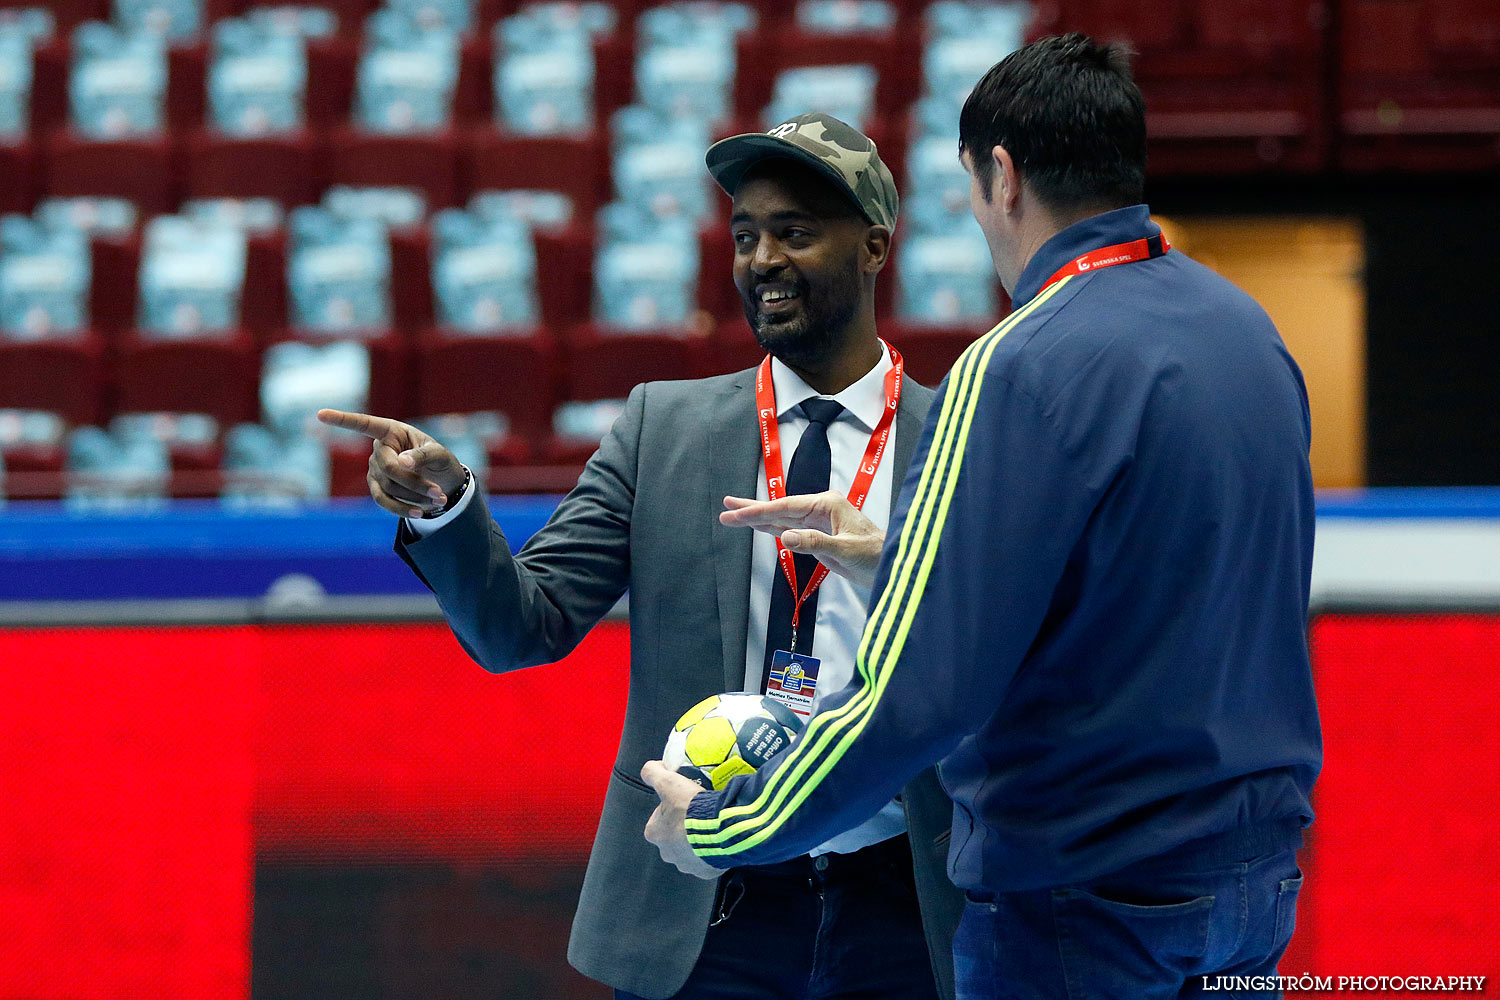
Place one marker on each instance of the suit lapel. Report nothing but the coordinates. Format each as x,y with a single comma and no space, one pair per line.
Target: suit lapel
911,414
733,462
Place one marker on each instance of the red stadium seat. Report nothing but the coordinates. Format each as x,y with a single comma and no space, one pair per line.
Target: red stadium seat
765,53
116,282
464,373
63,375
428,163
49,86
140,170
1420,86
332,66
929,351
285,168
606,364
209,374
21,168
614,70
578,167
263,301
411,279
187,86
734,348
565,274
473,94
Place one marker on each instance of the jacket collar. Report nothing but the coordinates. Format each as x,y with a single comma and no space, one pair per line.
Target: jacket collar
1119,226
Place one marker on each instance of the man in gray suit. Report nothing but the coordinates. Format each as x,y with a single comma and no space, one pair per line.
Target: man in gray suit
715,608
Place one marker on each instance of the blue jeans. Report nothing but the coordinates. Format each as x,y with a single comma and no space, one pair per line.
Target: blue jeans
847,930
1146,936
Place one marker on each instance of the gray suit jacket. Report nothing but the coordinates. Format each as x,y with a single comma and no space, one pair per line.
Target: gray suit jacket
644,516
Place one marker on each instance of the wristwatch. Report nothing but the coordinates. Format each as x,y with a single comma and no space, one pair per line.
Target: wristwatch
453,498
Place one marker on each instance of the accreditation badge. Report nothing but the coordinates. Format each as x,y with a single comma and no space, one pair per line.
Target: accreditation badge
793,681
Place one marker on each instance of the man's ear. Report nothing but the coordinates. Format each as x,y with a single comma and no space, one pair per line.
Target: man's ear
875,250
1006,186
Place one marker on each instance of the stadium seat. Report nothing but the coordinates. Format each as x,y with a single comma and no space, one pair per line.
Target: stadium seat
68,13
411,279
391,374
285,168
65,375
187,100
263,303
576,166
565,275
473,100
140,170
116,282
216,375
331,68
1415,96
929,351
514,374
426,162
602,363
49,87
21,168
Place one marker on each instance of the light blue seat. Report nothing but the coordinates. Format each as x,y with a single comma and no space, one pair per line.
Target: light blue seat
945,280
263,469
544,210
406,76
299,22
192,274
469,436
393,207
455,16
937,115
665,177
109,473
845,92
645,285
674,23
112,217
952,65
252,216
338,272
690,75
118,82
546,91
174,20
586,421
639,125
257,82
845,17
483,273
21,31
1003,21
298,378
626,222
546,20
45,273
936,176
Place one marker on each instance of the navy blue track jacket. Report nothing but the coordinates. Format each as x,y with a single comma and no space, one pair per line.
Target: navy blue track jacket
1092,603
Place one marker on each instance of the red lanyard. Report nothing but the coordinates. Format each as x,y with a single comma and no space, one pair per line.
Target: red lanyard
1121,253
770,443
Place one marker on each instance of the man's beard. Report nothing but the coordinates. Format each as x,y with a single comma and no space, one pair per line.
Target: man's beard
817,330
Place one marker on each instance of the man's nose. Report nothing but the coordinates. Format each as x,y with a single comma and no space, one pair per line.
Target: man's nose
767,257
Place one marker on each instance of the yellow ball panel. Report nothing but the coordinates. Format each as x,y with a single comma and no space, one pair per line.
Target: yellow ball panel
698,711
735,765
710,742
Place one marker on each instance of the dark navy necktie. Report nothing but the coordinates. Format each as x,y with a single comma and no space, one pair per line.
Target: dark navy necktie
809,474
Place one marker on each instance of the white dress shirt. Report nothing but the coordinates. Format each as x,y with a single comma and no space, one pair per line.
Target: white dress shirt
841,604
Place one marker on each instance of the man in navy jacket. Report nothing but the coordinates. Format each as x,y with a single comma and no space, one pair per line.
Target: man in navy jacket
1092,604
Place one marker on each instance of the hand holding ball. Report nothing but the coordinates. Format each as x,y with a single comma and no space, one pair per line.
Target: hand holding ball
729,734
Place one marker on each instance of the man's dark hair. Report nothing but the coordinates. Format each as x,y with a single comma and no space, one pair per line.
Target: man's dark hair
1072,119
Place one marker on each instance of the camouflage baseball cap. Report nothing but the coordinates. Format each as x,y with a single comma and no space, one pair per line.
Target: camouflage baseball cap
842,152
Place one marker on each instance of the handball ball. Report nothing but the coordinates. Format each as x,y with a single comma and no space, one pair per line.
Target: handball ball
729,734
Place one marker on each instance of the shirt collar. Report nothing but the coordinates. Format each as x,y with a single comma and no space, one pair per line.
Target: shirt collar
1119,226
863,399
